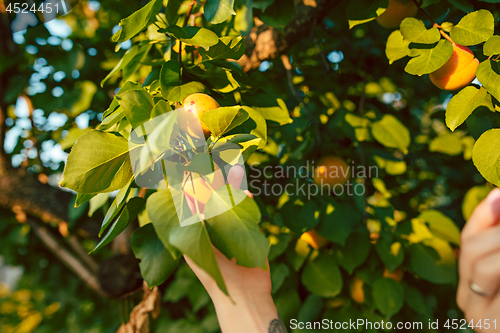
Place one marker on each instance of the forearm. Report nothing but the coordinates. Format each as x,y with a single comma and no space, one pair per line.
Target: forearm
252,313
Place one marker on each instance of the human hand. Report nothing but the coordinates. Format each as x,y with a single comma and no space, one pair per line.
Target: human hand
479,265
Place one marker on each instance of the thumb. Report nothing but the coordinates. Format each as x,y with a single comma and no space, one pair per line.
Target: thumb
485,215
235,176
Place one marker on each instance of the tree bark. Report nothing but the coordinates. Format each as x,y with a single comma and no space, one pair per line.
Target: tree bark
264,42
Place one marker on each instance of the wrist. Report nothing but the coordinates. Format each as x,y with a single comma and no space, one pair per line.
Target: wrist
245,311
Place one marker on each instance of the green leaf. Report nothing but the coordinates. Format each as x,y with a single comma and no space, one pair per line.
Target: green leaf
414,31
224,119
473,28
73,134
97,202
388,296
463,104
354,253
129,56
310,309
390,132
236,232
156,262
492,46
479,122
114,106
128,214
171,11
243,21
485,155
179,92
278,114
473,197
337,225
193,240
160,108
98,162
162,212
136,22
169,74
82,198
263,4
300,218
416,300
362,11
396,47
111,120
441,226
256,125
193,35
433,260
447,143
392,255
217,11
278,275
136,105
279,14
321,276
229,47
81,97
488,73
427,60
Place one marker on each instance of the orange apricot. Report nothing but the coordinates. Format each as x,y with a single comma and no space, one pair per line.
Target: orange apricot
195,186
396,12
396,274
331,171
356,290
458,71
314,239
194,106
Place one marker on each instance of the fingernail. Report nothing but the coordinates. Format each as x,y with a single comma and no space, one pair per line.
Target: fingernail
494,195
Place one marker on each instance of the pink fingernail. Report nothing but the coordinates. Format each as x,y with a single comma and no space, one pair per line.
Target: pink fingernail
494,195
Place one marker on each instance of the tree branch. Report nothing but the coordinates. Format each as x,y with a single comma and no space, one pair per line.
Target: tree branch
266,42
66,257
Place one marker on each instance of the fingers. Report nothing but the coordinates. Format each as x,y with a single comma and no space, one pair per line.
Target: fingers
235,176
475,254
486,215
486,273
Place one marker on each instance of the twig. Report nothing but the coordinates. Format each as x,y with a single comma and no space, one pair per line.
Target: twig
67,258
445,35
142,192
320,48
420,9
288,68
80,251
184,24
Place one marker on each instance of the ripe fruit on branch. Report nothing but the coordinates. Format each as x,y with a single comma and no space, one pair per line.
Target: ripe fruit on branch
194,106
176,48
314,239
396,12
331,171
458,71
356,290
195,186
396,274
202,188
